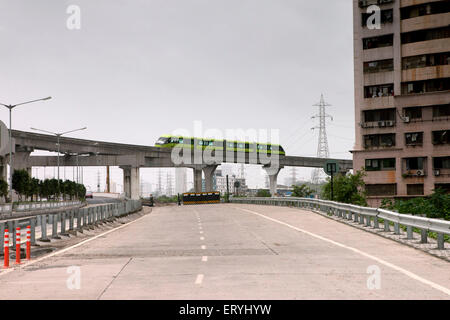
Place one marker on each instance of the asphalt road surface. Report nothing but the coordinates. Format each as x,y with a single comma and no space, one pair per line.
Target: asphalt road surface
230,251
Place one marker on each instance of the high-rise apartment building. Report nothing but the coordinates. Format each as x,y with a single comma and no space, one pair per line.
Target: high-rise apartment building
402,96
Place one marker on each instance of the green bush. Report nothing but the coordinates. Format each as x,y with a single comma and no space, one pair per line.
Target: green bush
302,191
263,193
347,188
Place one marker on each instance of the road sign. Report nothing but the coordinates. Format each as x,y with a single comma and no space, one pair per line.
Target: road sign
331,167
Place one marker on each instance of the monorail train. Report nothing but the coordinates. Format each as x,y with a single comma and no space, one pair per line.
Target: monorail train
168,141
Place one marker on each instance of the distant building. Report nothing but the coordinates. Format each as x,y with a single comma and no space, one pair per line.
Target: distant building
402,97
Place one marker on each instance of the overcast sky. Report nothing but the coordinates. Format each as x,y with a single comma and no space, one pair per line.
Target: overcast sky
138,69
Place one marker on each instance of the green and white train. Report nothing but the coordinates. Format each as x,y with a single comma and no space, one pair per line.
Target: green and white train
169,141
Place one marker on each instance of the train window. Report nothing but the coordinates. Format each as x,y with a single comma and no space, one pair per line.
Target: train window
230,145
162,140
269,147
180,140
200,142
211,143
241,145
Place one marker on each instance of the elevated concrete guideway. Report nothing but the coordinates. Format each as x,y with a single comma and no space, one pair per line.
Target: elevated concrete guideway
130,158
231,251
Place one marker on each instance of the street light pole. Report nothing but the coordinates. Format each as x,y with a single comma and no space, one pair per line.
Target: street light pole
58,136
10,107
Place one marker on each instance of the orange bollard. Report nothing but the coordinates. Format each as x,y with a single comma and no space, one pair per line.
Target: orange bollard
6,248
17,245
28,242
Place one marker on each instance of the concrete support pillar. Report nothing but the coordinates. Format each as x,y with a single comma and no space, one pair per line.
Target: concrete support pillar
273,172
131,182
209,176
197,179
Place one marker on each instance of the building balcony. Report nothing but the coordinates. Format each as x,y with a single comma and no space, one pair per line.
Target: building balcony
377,78
426,73
423,47
426,22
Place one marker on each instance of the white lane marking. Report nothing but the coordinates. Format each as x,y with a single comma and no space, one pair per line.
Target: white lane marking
202,238
204,258
199,279
388,264
201,232
68,248
203,247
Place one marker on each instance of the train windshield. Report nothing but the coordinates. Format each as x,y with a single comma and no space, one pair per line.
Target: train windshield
162,140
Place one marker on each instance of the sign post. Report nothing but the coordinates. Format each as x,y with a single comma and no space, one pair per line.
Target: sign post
330,168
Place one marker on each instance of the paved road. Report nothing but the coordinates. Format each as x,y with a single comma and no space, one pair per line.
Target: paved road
234,252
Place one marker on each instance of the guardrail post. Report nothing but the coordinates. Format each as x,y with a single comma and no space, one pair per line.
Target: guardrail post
440,241
355,217
91,218
423,236
63,224
14,225
33,231
409,233
71,216
54,221
79,214
368,222
361,218
44,237
386,226
2,232
376,223
396,228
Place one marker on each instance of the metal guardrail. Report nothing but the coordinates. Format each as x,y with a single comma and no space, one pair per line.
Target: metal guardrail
66,222
363,215
37,206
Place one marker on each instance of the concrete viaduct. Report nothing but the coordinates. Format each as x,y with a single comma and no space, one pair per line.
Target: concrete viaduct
132,157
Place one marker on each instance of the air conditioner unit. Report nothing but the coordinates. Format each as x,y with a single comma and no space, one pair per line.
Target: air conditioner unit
419,173
382,123
437,172
389,123
406,119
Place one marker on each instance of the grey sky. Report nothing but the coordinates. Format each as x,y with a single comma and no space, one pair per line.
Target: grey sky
139,69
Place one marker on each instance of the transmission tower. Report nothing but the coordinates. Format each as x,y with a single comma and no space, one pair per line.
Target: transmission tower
242,171
322,148
294,175
159,186
169,185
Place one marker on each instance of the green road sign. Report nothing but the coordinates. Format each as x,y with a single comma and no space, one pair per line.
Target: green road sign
331,167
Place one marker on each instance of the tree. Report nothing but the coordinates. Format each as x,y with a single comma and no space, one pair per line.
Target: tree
21,182
263,193
33,188
302,191
348,188
3,188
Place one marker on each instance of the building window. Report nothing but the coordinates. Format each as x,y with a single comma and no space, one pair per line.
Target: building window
414,167
382,90
441,137
441,111
366,3
379,66
425,35
424,9
379,115
441,163
443,186
378,42
426,60
385,15
425,86
413,113
379,140
414,189
381,189
380,164
414,138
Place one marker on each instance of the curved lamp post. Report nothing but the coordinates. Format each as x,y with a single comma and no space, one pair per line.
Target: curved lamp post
10,107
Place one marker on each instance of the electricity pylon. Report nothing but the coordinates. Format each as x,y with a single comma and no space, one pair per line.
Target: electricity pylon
322,148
